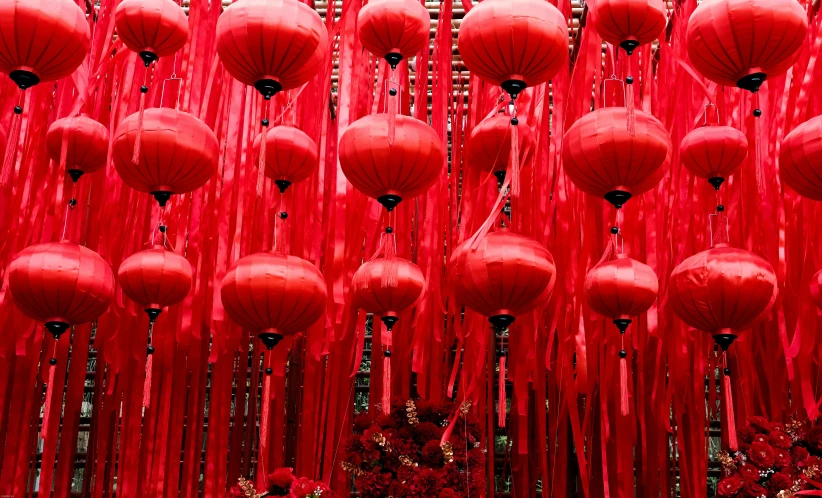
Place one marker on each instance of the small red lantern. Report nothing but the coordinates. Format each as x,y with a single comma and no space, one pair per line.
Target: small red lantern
394,29
604,159
290,155
742,42
800,159
386,171
714,152
629,23
620,289
155,278
489,147
86,145
387,286
179,153
816,289
529,40
152,28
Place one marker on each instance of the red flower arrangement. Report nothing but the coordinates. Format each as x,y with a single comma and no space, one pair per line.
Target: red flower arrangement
282,484
774,461
400,455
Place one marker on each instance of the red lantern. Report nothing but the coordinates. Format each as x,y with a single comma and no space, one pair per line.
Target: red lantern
489,148
272,44
505,276
387,287
742,42
43,40
86,145
620,289
152,28
61,284
179,153
274,294
155,278
816,289
714,152
290,155
529,40
800,159
603,159
629,23
386,171
394,29
722,291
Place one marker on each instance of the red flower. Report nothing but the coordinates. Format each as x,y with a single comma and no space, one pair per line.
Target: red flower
362,422
281,478
729,486
303,487
761,454
235,492
779,481
761,424
760,438
373,484
747,434
447,493
749,472
779,439
781,458
432,454
799,453
753,490
814,438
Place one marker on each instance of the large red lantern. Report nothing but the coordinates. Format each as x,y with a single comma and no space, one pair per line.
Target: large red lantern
155,279
629,23
290,155
529,40
85,141
391,171
273,294
742,42
43,40
61,284
504,276
179,153
273,45
489,147
152,28
800,159
387,287
620,289
714,152
604,159
394,29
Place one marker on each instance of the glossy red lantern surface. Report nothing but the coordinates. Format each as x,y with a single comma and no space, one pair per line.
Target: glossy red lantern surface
374,295
529,40
290,154
713,151
629,23
155,278
603,159
387,171
272,44
42,40
61,282
397,27
179,153
86,144
722,290
742,42
156,27
621,288
505,276
816,289
489,147
800,159
274,293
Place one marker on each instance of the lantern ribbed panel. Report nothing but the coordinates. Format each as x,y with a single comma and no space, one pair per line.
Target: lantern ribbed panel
372,296
621,288
714,151
489,148
800,159
394,26
641,21
87,143
290,154
155,278
156,26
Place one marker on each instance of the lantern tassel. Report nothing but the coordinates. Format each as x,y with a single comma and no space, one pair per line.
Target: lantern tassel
44,433
392,112
729,413
138,141
386,385
624,405
629,105
502,400
514,162
760,172
147,385
11,153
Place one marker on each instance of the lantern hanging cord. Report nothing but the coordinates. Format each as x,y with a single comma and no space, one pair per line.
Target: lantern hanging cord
69,208
616,231
282,215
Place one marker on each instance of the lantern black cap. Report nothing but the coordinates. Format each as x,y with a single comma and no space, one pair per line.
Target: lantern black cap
393,58
629,46
389,201
24,79
282,185
618,198
513,87
75,174
390,321
162,197
501,322
724,340
153,313
57,328
268,88
752,82
148,57
716,181
270,339
622,324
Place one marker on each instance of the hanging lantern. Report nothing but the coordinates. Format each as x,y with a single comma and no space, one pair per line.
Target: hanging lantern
489,147
386,171
86,145
800,159
179,153
620,289
629,23
714,152
273,45
505,276
43,40
290,155
816,289
529,40
387,287
155,279
604,159
61,284
394,29
274,295
152,28
743,42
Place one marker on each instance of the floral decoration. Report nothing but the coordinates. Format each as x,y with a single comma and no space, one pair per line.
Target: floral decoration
282,484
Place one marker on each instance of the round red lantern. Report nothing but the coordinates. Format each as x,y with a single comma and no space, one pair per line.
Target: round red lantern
604,159
489,147
387,287
722,291
742,42
506,275
276,295
386,171
394,29
86,145
620,289
529,40
179,153
800,159
629,23
816,289
152,28
272,44
155,278
61,284
714,152
43,40
290,155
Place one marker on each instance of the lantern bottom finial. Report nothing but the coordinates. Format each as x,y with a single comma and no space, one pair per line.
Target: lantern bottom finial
153,313
390,321
148,57
752,82
393,58
24,79
629,46
618,197
501,322
513,87
716,181
75,174
724,340
57,328
389,201
622,324
270,339
162,197
268,88
282,185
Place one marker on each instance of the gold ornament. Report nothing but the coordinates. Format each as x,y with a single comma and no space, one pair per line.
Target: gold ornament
447,451
811,471
248,488
351,469
380,440
411,409
465,407
405,460
726,461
